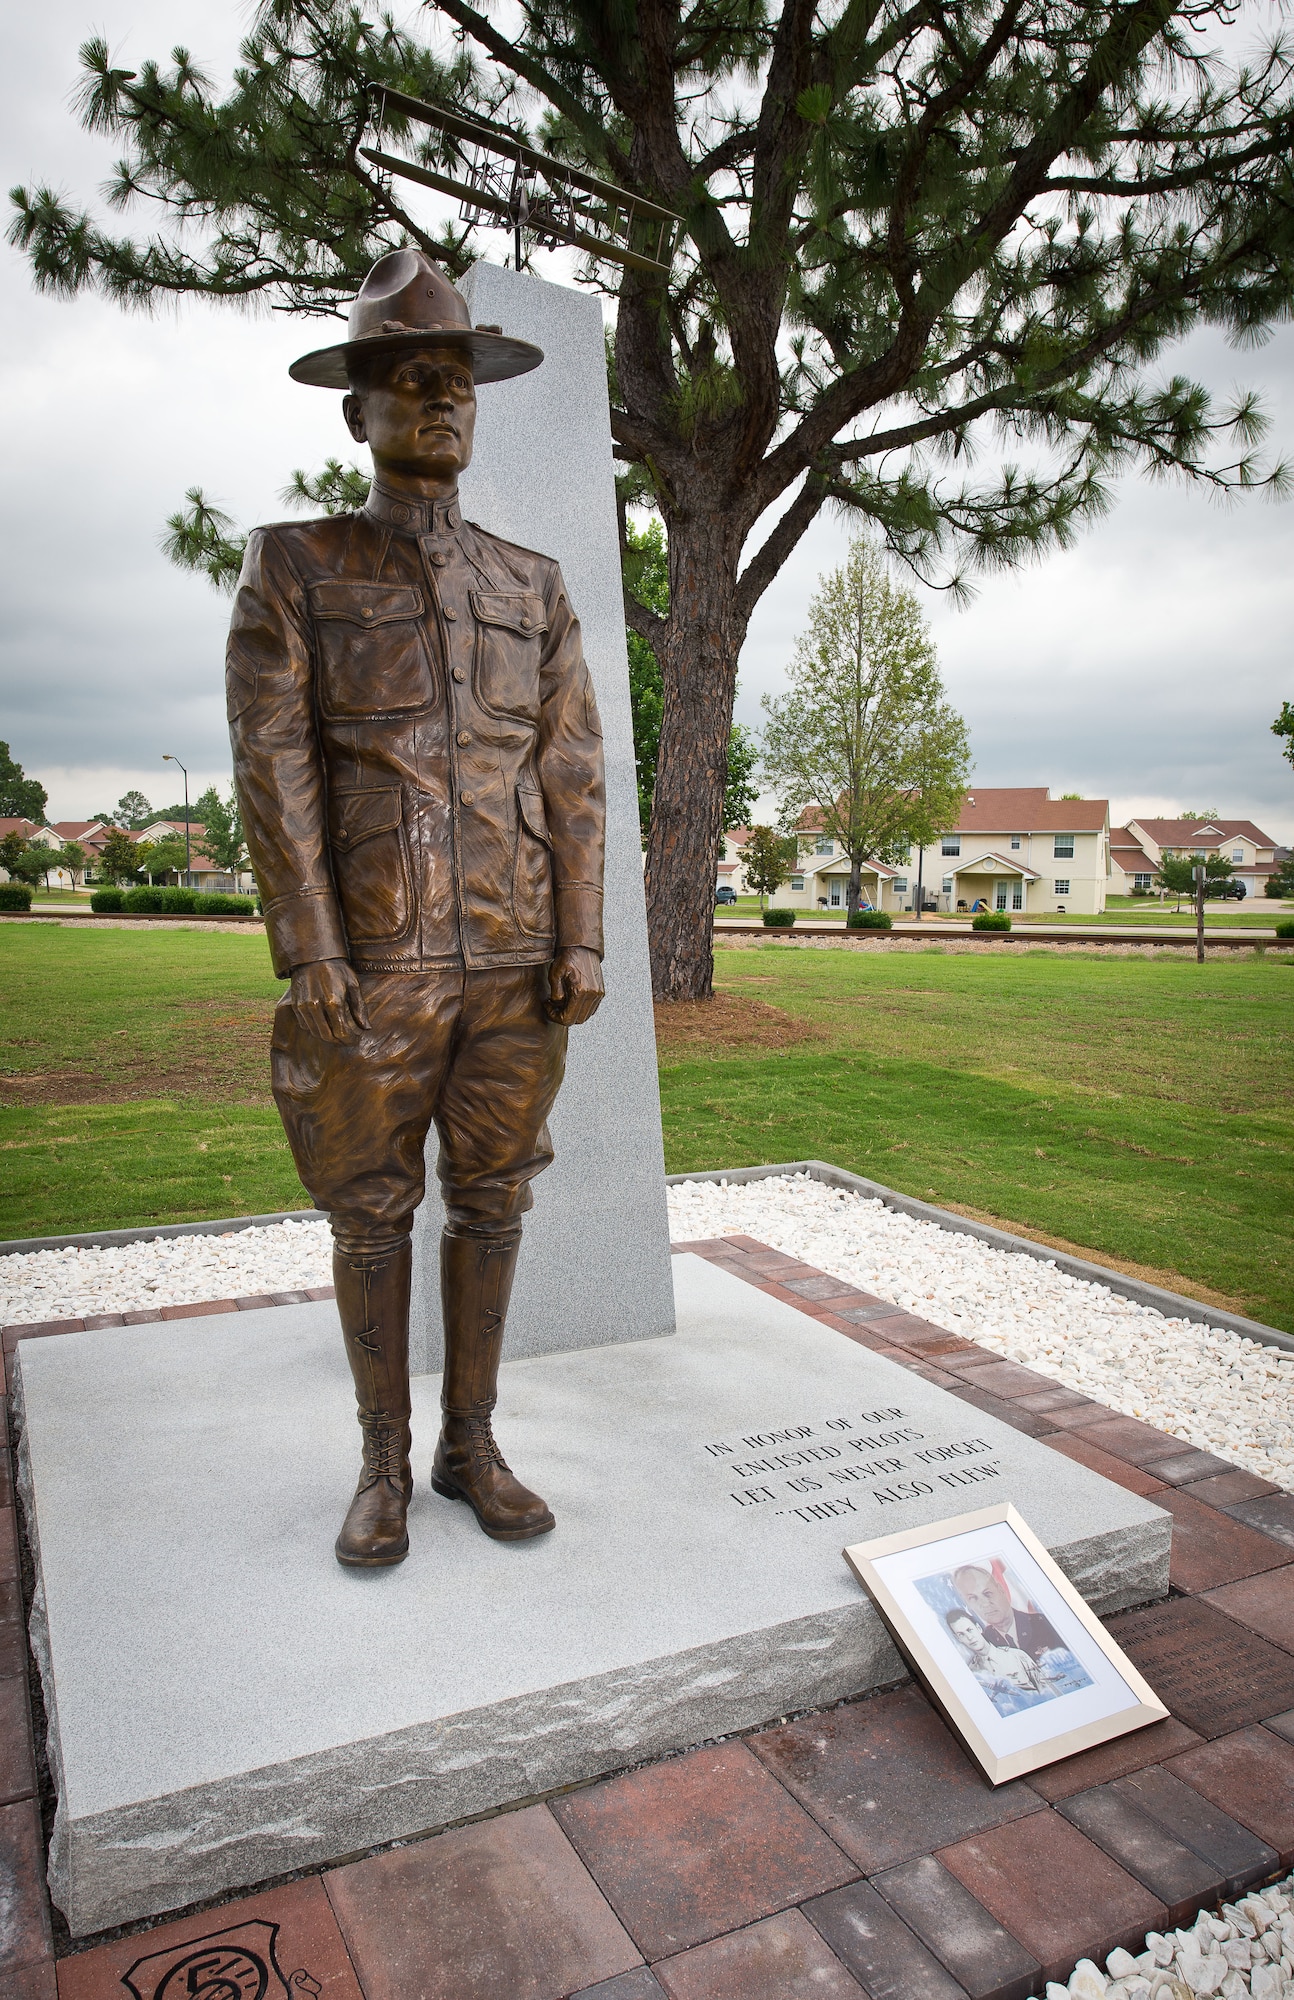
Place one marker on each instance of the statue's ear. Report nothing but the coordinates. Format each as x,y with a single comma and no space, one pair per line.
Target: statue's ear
353,411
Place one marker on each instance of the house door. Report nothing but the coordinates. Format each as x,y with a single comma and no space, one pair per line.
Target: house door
837,894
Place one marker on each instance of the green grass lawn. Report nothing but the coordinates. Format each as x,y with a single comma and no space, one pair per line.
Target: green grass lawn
1143,1110
134,1079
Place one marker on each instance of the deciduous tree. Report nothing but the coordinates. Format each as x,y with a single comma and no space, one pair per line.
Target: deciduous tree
222,829
906,229
767,859
865,737
118,858
1284,726
21,797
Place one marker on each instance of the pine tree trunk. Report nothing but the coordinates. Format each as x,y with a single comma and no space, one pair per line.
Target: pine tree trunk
699,671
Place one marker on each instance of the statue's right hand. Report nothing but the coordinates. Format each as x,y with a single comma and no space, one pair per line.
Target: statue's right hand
328,1001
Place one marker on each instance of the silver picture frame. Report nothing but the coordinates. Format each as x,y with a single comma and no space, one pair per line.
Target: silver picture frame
1013,1657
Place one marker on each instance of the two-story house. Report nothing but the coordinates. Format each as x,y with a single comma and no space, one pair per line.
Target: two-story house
1137,849
1013,848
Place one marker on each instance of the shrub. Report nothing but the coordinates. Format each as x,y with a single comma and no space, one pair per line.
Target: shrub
778,920
218,904
14,896
107,901
991,920
1286,929
145,900
180,902
870,920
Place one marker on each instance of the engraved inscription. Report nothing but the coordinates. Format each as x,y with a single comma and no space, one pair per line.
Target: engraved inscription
806,1471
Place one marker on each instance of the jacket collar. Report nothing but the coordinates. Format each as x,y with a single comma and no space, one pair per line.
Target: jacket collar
408,515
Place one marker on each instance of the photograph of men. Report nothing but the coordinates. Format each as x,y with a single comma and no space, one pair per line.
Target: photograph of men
983,1591
1008,1676
418,759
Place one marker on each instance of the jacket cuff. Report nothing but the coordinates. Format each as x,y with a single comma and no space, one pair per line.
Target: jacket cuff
578,918
303,928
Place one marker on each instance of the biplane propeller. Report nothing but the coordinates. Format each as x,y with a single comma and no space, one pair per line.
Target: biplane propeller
508,185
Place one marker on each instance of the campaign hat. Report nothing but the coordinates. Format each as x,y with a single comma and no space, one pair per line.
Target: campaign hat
407,301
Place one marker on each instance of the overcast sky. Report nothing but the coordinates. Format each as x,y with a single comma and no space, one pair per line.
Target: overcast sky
1145,665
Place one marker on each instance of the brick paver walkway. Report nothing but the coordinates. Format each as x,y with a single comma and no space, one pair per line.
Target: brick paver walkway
851,1852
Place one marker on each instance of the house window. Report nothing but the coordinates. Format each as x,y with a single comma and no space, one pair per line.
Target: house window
1237,854
1061,885
900,885
835,896
824,844
797,881
1015,843
1000,898
1063,848
952,844
1141,881
948,885
1017,896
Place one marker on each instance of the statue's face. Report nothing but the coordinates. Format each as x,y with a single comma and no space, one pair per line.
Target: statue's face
416,412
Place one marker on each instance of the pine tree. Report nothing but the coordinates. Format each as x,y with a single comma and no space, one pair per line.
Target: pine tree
906,229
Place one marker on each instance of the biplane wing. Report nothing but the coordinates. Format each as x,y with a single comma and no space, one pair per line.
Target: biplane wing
507,184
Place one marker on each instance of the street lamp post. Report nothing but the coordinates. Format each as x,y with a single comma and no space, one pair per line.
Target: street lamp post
188,856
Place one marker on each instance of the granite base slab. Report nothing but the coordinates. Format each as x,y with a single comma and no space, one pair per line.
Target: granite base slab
226,1704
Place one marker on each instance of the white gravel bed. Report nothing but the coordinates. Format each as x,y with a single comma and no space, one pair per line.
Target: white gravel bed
161,1271
1213,1388
1248,1949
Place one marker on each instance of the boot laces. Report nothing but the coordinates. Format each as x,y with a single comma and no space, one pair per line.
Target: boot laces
383,1448
481,1440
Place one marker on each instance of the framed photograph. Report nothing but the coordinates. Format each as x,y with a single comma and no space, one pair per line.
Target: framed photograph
1019,1665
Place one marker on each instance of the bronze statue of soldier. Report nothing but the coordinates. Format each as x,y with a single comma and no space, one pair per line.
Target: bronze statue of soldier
418,760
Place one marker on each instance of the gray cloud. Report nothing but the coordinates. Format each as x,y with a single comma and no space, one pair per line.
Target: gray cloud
1145,664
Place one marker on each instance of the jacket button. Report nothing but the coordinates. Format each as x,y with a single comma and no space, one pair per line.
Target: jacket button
464,737
467,797
439,557
459,674
525,624
368,611
450,613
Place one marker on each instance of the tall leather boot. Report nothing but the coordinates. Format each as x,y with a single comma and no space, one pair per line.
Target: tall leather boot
475,1285
373,1301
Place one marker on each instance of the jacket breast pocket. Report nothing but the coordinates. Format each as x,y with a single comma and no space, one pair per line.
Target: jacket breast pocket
510,626
532,880
372,653
371,864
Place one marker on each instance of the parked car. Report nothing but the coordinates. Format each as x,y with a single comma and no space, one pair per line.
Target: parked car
1233,892
725,895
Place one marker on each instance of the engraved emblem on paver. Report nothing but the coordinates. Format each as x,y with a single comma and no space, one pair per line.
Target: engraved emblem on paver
234,1964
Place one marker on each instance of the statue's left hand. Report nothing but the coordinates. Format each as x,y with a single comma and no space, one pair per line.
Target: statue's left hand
575,986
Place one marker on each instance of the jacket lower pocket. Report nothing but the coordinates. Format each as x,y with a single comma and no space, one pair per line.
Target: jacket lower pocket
371,864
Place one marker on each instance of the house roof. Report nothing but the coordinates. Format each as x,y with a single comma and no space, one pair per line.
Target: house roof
1028,809
76,829
1185,832
826,864
1127,850
990,809
26,827
1006,862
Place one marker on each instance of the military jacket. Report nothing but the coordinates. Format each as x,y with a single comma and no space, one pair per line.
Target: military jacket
417,749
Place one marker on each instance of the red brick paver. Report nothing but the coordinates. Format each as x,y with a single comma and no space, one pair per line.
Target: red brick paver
1055,1891
698,1845
886,1778
501,1907
779,1958
292,1928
